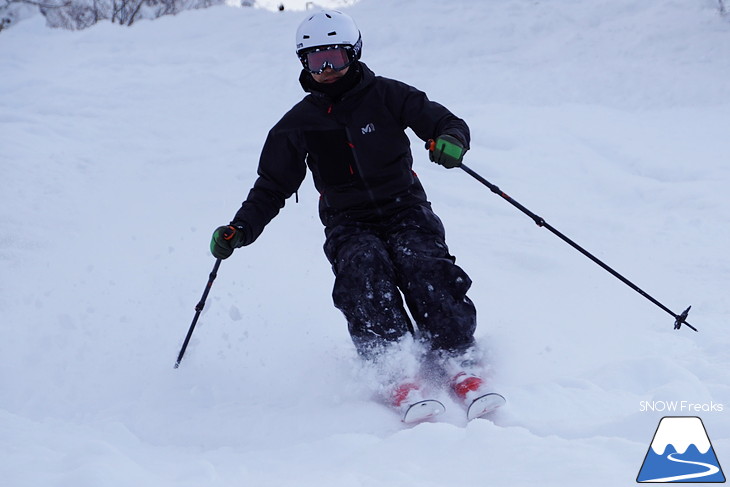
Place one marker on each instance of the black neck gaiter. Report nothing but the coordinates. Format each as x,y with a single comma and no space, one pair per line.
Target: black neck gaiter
335,90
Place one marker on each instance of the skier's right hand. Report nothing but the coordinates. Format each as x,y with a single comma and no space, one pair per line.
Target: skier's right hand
225,239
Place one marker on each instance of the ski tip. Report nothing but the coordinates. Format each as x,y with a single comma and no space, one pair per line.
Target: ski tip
422,411
484,405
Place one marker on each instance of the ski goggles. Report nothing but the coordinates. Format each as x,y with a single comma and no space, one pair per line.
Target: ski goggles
336,57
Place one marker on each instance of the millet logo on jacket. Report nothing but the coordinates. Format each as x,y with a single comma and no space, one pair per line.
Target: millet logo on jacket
368,128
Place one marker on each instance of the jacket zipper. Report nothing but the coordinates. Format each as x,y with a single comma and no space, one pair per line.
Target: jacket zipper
358,167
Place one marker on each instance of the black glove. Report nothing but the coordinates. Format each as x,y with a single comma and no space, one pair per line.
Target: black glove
446,150
225,239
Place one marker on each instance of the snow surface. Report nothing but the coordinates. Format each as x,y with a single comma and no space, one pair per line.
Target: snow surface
121,149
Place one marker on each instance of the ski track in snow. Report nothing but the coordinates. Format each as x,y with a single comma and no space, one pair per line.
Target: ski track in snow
121,149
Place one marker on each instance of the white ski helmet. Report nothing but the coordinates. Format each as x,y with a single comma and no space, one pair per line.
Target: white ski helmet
328,28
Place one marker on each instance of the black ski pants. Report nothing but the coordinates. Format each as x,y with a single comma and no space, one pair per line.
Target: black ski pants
378,265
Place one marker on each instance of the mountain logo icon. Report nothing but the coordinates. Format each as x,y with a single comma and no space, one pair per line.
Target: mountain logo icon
681,452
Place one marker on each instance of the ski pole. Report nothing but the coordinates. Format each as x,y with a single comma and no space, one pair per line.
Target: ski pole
198,309
680,319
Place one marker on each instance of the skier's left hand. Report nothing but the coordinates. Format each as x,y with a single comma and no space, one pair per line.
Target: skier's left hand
446,150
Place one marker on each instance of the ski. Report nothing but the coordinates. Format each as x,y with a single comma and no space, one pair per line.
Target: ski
422,411
484,405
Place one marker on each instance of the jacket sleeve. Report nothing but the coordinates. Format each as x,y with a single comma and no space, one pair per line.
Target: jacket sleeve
426,118
281,170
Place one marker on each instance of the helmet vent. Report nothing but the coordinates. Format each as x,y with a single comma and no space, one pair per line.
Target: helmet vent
333,33
306,36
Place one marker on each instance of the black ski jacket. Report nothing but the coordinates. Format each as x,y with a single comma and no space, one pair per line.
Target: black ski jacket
355,147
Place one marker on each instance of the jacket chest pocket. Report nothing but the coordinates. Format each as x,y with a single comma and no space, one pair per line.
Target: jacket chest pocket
330,155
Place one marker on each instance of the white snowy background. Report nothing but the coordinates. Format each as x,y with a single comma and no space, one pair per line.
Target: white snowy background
121,149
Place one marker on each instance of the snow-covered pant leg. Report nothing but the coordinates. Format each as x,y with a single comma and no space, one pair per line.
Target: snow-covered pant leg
375,263
365,288
433,285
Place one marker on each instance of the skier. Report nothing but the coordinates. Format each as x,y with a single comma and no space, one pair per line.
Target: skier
382,238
